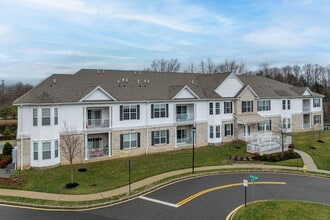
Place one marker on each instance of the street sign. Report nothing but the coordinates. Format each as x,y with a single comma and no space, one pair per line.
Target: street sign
245,183
254,178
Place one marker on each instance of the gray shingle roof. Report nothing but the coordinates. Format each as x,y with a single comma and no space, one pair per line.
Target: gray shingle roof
142,86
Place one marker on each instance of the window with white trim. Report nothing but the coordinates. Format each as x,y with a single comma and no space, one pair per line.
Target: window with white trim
217,131
286,104
130,140
159,137
264,105
317,119
265,126
35,151
35,117
211,108
56,148
228,107
286,123
211,132
182,135
228,129
129,112
55,116
217,108
46,150
159,110
247,106
316,102
45,121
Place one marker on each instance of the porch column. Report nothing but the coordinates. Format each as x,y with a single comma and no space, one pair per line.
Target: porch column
109,141
86,146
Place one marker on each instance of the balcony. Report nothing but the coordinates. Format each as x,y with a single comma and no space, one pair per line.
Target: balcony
306,105
97,123
98,152
184,117
184,113
306,108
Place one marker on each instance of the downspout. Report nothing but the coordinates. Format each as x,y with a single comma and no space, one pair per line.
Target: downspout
22,136
147,149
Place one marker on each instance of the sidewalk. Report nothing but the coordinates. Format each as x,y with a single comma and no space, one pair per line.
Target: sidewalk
308,161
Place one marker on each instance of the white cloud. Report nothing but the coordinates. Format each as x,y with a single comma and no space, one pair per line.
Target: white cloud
84,54
283,38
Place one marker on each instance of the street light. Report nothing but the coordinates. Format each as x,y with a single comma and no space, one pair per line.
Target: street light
193,153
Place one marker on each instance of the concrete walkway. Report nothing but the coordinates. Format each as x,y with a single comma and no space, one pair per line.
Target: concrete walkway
308,161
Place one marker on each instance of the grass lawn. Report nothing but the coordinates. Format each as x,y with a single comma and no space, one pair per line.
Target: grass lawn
292,210
321,154
113,173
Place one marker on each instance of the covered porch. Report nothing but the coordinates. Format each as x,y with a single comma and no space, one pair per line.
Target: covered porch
97,145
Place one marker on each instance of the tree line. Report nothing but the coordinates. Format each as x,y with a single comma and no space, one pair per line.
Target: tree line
8,94
314,76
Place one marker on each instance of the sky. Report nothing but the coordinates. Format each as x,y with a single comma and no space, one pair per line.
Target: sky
42,37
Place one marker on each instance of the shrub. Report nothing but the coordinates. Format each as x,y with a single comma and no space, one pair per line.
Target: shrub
5,160
7,149
274,157
7,131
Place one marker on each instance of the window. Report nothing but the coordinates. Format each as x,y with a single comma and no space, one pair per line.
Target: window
159,110
35,117
211,132
217,131
228,129
286,104
56,149
217,108
131,140
228,107
264,105
286,123
159,137
46,150
317,119
181,135
55,116
129,112
265,126
95,143
211,108
247,106
316,102
45,116
283,104
35,151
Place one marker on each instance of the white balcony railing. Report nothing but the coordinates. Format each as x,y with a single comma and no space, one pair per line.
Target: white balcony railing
97,123
98,152
187,140
185,117
306,108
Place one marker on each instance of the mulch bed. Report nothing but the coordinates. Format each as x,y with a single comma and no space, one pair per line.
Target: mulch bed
8,182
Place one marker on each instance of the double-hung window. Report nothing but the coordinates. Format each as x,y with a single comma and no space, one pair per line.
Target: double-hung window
35,117
317,119
228,129
130,140
286,123
159,110
217,131
217,108
286,104
45,116
265,126
46,150
316,102
129,112
211,132
228,107
35,151
264,105
211,108
247,106
56,148
159,137
55,116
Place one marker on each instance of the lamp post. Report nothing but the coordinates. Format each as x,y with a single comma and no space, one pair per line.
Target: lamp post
193,153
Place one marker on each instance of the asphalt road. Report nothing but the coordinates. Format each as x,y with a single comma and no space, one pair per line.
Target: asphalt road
214,201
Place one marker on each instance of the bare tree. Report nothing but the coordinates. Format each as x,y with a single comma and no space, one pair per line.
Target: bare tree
70,145
163,65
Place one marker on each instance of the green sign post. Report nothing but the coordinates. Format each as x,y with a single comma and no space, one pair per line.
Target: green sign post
253,179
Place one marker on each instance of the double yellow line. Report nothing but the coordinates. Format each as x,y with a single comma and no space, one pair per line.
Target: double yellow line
188,199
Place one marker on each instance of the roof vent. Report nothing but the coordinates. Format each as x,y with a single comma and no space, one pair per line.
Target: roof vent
54,80
103,71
